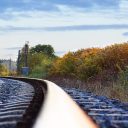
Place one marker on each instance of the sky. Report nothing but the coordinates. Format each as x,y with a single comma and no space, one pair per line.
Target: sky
67,25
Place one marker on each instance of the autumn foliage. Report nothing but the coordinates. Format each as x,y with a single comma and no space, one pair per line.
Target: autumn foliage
3,71
85,64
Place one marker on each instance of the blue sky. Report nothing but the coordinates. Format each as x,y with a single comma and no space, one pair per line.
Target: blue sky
65,24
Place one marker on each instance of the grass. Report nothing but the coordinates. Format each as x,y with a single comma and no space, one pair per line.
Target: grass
112,89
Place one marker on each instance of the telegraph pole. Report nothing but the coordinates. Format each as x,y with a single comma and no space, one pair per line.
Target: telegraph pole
25,69
26,54
18,61
10,65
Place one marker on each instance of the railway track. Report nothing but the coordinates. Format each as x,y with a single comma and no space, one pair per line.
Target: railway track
26,103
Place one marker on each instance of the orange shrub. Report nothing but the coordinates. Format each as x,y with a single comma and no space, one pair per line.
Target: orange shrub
86,63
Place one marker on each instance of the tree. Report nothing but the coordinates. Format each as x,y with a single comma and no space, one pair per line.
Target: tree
45,49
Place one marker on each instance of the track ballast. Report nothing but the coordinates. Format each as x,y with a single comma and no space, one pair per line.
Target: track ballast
20,102
107,113
15,98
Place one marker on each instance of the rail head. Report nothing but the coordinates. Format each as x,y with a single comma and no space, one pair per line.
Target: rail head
58,109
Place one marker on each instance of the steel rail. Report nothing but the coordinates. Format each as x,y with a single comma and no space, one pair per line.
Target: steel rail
56,108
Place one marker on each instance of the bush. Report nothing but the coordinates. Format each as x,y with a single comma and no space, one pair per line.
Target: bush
88,69
3,71
80,64
39,65
65,66
123,77
86,63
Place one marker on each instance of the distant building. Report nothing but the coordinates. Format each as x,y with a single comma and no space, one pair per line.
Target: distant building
11,65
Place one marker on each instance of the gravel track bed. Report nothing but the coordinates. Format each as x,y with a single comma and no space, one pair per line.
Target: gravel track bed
15,98
107,113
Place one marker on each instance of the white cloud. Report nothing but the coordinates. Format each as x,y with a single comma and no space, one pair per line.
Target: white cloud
66,15
61,41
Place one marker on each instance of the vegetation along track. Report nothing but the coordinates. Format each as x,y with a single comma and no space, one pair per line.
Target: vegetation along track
21,106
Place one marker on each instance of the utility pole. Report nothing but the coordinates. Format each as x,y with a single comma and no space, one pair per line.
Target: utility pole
25,69
26,54
18,61
26,47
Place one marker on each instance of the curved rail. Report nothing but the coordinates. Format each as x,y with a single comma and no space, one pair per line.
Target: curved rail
58,109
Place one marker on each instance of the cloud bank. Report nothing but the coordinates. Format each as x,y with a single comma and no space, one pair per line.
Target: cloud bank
66,28
51,4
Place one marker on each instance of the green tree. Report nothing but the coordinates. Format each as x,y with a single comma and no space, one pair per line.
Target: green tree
45,49
39,65
38,59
